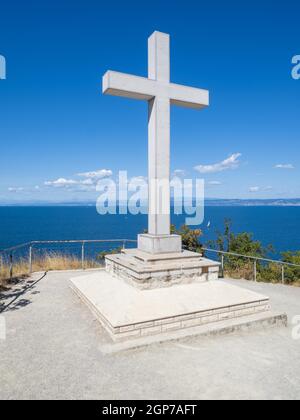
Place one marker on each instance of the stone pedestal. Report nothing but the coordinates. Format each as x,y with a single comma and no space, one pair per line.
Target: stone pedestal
159,244
150,271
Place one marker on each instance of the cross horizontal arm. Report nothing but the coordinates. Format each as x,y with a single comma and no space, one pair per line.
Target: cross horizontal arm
128,86
188,97
135,87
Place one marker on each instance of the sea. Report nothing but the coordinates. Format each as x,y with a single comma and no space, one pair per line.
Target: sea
275,225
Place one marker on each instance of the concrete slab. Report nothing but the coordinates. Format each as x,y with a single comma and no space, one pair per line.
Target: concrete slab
128,313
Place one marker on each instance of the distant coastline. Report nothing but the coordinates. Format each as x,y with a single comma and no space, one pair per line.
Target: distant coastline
213,202
277,202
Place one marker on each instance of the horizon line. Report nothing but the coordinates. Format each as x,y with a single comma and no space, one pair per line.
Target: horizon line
93,202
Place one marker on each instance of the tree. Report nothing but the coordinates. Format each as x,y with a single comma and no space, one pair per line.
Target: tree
292,274
190,237
243,244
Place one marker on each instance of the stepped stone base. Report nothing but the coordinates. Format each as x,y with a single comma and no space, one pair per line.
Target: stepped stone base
248,323
127,312
149,271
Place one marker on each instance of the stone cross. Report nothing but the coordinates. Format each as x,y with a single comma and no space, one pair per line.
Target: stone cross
160,94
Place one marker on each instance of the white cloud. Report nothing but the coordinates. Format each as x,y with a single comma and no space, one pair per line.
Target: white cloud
101,173
87,181
214,183
87,184
61,182
257,189
232,162
179,173
285,166
15,189
73,185
254,189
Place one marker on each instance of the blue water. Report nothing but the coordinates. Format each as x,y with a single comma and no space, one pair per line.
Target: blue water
278,226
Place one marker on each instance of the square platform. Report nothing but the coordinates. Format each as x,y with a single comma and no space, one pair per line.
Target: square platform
127,312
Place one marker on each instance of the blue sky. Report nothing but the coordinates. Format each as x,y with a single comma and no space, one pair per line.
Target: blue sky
55,123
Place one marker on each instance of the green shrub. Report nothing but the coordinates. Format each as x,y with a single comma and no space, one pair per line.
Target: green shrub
190,238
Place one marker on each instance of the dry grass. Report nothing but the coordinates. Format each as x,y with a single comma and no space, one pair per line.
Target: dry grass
54,261
243,272
269,274
49,262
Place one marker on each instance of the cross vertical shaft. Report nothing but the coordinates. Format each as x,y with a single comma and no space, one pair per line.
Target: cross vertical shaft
159,138
160,94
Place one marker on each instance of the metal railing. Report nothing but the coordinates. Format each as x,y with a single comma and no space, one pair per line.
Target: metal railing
255,260
222,254
33,244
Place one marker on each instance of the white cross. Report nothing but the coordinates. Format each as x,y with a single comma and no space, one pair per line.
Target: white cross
160,94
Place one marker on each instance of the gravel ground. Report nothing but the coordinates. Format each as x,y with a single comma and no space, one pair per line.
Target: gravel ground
52,351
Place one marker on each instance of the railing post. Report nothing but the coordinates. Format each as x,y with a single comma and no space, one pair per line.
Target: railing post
30,260
282,274
82,255
11,266
124,244
255,270
222,264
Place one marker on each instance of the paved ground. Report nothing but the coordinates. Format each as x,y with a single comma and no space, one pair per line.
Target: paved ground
52,351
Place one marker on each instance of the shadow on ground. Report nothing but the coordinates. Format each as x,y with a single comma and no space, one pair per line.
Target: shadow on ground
10,298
